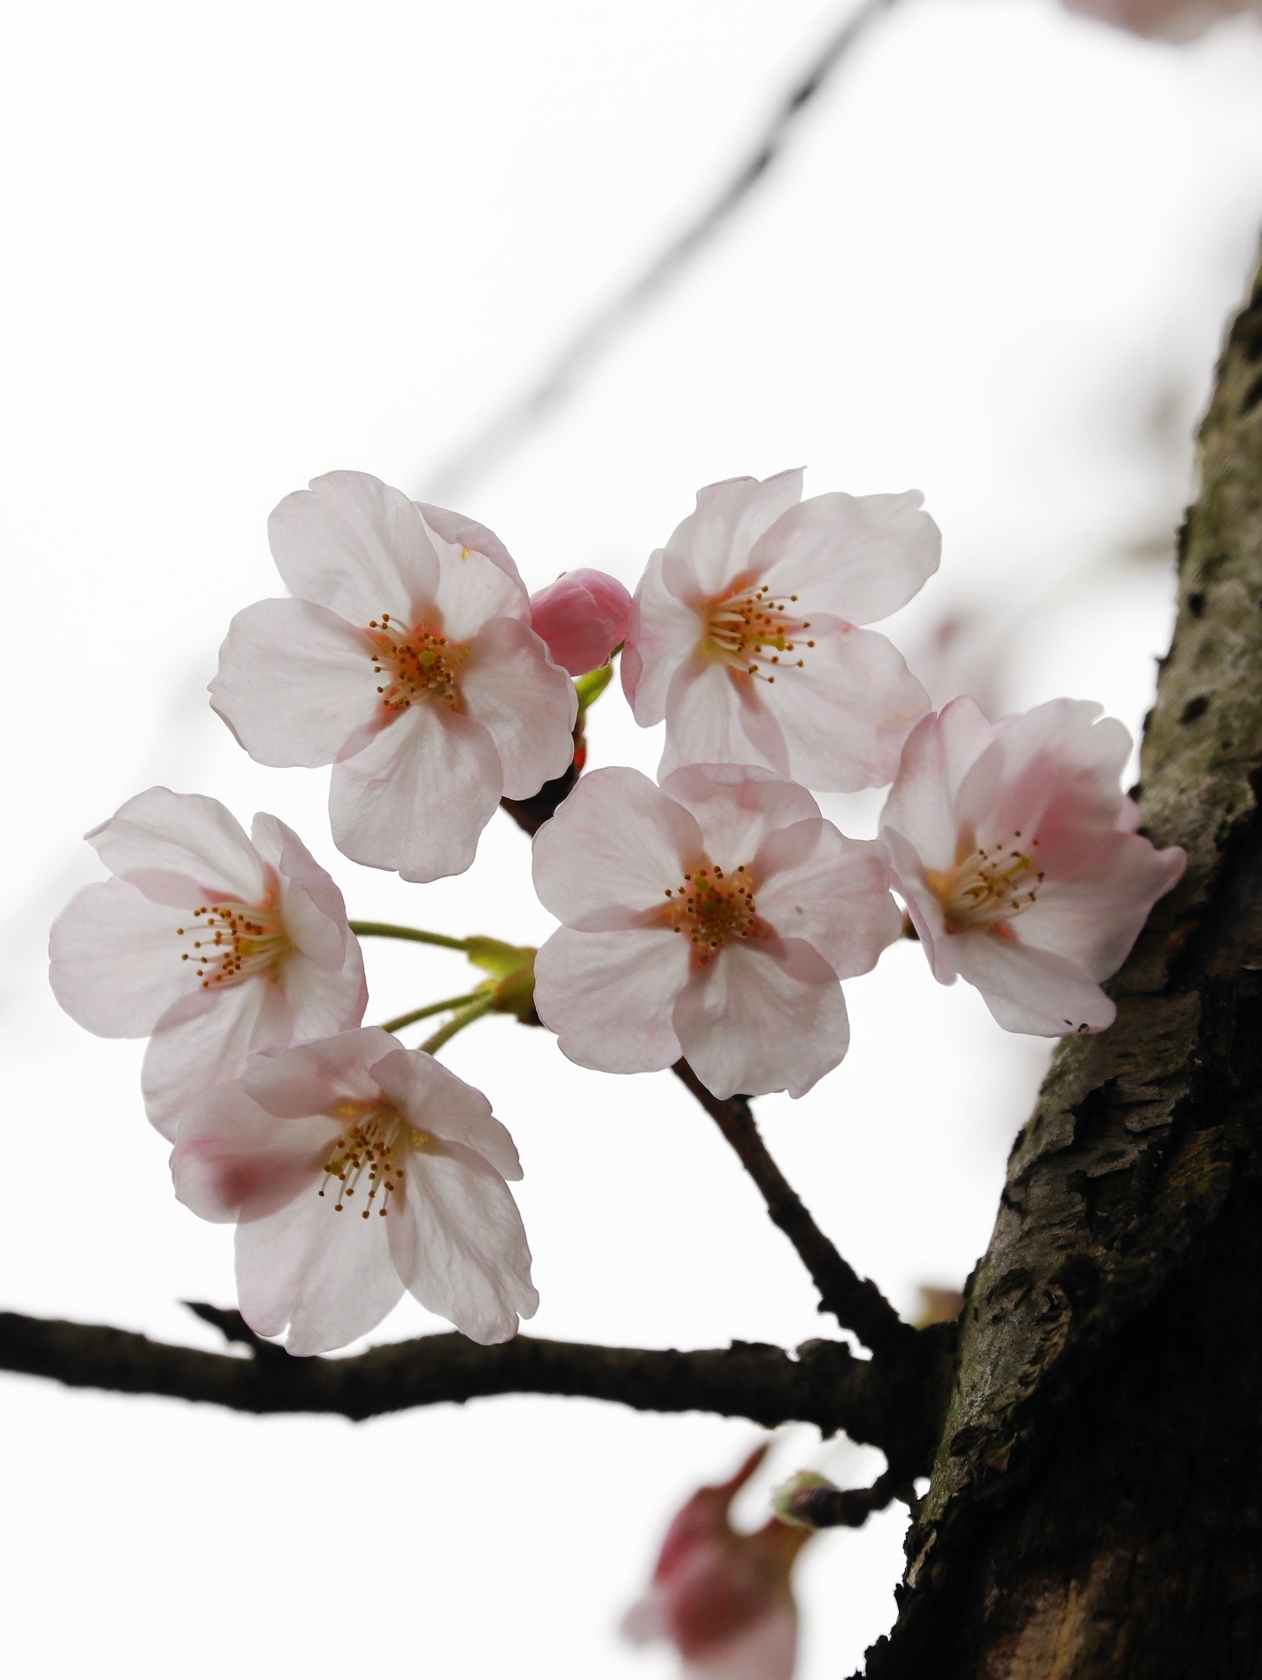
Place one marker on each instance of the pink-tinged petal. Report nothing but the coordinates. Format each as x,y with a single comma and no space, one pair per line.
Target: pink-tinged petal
663,634
719,716
1096,897
294,681
315,1078
354,545
923,906
205,1039
1055,764
1031,991
763,1017
857,557
847,712
581,618
919,808
609,996
324,1003
812,883
233,1160
611,851
164,842
765,1650
463,1250
467,533
328,1275
311,907
418,796
473,590
712,547
526,704
115,960
436,1101
737,807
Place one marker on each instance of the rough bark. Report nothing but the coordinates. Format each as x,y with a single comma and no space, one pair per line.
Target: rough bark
1095,1507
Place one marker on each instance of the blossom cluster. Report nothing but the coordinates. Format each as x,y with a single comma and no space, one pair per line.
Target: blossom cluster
710,915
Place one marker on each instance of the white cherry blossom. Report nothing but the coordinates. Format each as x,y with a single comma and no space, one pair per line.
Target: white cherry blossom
711,918
212,943
745,638
355,1169
1015,850
406,660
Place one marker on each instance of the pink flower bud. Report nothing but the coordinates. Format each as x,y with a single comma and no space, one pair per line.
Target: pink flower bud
1178,20
582,617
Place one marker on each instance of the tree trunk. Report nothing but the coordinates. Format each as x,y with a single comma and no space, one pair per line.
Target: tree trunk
1096,1500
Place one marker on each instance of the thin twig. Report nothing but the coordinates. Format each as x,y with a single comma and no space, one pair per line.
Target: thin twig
489,446
855,1302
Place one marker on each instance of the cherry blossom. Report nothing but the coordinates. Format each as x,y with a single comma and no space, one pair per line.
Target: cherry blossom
721,1597
582,617
744,633
711,918
1015,850
212,943
406,660
1176,19
355,1169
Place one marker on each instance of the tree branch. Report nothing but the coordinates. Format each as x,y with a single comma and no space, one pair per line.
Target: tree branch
893,1405
855,1302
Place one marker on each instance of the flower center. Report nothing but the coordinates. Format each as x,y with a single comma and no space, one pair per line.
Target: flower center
370,1155
231,942
419,664
986,889
711,908
753,631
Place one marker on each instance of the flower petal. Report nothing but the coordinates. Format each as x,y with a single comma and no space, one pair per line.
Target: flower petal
525,702
206,1039
759,1018
467,533
463,1252
765,1650
1053,765
472,589
813,883
737,807
418,796
611,851
294,682
435,1100
115,960
233,1160
581,618
311,907
857,557
315,1078
712,547
663,634
159,835
609,996
356,546
1032,991
718,716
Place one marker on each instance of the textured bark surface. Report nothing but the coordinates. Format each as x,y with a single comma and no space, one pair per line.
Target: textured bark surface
1095,1502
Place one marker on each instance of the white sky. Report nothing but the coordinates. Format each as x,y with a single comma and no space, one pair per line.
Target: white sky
252,244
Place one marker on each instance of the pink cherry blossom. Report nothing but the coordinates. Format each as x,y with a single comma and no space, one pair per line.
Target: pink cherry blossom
405,659
213,944
721,1597
744,634
1179,20
1015,850
711,918
355,1169
582,617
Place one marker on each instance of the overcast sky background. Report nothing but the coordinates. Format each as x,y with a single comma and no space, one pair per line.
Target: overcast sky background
250,245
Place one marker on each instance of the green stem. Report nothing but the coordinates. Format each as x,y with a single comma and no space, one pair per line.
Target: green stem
472,1012
430,1009
389,930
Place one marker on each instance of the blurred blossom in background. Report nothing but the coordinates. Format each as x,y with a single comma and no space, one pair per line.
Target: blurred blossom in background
254,245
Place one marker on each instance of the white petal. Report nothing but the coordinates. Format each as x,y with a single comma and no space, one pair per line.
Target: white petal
715,715
737,806
467,533
418,796
324,1003
1030,991
763,1018
525,702
314,1078
204,1040
232,1160
611,851
115,960
813,883
609,996
856,557
663,635
328,1275
472,589
923,905
920,809
312,909
356,546
435,1100
166,842
463,1252
846,714
764,1650
712,547
294,682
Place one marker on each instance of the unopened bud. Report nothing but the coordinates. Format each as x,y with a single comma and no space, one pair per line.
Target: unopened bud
581,617
798,1500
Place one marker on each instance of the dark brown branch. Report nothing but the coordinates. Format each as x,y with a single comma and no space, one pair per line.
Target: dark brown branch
834,1507
893,1406
855,1302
